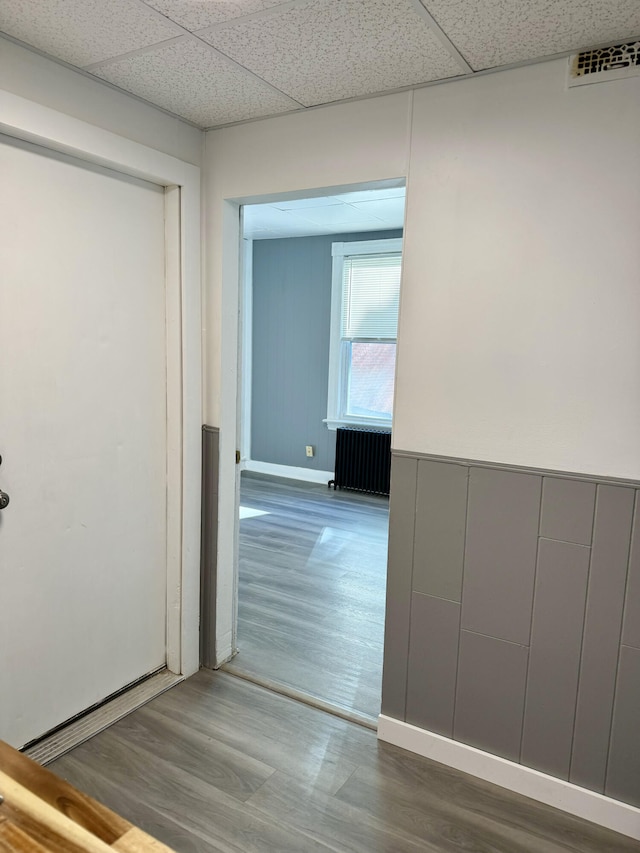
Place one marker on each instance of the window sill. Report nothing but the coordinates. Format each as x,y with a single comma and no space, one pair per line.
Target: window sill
369,423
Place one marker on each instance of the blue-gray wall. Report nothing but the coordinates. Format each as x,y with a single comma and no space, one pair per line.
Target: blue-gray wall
291,328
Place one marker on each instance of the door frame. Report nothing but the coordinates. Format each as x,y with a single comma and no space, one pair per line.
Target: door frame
32,122
236,312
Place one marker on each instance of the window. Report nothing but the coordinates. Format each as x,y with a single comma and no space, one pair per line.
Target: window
364,326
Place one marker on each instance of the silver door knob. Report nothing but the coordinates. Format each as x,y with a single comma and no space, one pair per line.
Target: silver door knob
4,500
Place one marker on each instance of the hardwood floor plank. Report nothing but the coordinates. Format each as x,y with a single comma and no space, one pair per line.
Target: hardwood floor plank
224,767
310,762
312,645
356,691
334,786
290,608
312,591
266,715
345,828
188,801
415,789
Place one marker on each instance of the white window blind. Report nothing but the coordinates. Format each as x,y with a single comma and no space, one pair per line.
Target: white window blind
370,296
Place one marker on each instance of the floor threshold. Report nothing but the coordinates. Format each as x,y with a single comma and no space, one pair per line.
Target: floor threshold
301,696
78,731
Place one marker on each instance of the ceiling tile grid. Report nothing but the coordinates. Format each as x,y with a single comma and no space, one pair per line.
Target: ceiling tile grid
254,58
498,32
327,50
81,32
366,210
199,14
385,208
194,82
371,195
339,216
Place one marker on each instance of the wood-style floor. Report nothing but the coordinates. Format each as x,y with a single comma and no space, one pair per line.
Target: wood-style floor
312,590
219,764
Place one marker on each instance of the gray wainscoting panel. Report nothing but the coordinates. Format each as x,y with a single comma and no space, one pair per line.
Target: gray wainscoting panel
623,776
551,562
631,625
433,656
554,659
402,516
490,694
567,510
603,623
442,512
209,545
500,560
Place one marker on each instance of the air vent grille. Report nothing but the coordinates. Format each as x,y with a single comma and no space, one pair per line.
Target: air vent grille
605,63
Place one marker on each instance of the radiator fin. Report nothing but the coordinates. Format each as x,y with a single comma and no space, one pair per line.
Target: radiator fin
363,460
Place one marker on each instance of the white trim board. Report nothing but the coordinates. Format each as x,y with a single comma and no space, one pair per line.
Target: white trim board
557,793
27,120
245,356
291,472
228,241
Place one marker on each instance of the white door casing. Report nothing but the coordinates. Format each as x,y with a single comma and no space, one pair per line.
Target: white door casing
236,288
181,404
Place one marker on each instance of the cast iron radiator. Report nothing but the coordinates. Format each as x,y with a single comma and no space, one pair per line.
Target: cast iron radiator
363,460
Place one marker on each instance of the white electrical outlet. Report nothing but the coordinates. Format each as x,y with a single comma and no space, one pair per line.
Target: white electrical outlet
310,450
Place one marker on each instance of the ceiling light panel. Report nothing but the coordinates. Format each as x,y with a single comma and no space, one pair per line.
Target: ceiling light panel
192,81
325,50
198,14
497,32
84,31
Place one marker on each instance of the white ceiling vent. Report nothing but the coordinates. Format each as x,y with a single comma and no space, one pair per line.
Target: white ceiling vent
605,63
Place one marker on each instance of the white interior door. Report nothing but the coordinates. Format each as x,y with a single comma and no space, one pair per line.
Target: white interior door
83,410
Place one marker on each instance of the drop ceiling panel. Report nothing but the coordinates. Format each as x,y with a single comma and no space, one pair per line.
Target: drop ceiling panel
294,228
84,31
194,82
497,32
302,52
372,195
198,14
390,209
324,215
339,215
305,203
325,50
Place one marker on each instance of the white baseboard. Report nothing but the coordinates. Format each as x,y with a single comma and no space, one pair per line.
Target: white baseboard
523,780
309,475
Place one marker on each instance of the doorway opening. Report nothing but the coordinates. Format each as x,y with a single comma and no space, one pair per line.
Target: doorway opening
320,286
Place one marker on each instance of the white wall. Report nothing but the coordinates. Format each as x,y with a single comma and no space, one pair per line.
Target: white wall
520,319
520,306
39,79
